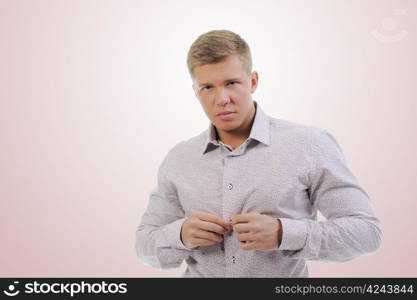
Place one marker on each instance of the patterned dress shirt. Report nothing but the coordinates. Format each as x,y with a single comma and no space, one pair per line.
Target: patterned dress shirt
285,170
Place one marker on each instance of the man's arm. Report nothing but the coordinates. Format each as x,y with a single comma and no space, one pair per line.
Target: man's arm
351,229
158,242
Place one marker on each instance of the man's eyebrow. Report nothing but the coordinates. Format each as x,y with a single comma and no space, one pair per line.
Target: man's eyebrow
227,80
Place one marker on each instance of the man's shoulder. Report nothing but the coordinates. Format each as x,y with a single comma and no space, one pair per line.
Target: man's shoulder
282,127
297,135
188,147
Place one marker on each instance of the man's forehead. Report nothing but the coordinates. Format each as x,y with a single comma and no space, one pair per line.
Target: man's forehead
230,68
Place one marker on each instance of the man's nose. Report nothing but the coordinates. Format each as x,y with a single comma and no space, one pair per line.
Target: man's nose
222,97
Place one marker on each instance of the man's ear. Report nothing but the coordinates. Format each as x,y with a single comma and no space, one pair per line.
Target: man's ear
254,81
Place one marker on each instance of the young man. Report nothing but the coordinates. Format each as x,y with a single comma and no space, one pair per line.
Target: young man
241,198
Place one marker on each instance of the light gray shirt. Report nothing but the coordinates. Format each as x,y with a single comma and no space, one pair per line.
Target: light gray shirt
285,170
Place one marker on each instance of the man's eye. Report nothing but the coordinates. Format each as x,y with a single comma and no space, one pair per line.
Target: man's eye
232,82
206,87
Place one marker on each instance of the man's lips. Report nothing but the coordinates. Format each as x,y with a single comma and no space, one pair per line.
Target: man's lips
226,115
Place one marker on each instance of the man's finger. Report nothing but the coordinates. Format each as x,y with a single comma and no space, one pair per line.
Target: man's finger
207,235
241,228
243,237
213,227
249,245
242,218
213,219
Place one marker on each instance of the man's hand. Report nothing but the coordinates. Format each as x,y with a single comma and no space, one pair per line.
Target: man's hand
257,231
203,229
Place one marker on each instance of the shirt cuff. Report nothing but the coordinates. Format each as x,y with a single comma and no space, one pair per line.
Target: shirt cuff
172,233
294,234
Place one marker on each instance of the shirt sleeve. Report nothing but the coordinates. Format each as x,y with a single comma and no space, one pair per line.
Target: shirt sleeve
158,242
351,228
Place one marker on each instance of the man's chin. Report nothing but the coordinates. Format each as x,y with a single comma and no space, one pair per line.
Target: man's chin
226,127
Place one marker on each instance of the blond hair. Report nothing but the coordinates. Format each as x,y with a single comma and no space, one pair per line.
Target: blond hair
214,46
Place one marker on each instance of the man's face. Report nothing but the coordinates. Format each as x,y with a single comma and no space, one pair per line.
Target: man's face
226,87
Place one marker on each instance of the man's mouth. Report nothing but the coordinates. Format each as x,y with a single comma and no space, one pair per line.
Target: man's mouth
227,115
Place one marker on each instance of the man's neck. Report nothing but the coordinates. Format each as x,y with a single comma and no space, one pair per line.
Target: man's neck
235,138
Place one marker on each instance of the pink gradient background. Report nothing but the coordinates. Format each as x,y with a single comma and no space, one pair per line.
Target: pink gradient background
94,93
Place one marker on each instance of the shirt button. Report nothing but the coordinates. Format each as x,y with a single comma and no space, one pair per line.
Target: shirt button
233,259
229,186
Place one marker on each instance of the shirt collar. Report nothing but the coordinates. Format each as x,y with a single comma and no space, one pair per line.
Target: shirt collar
259,131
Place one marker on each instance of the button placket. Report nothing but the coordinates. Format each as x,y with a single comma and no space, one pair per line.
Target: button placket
229,202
